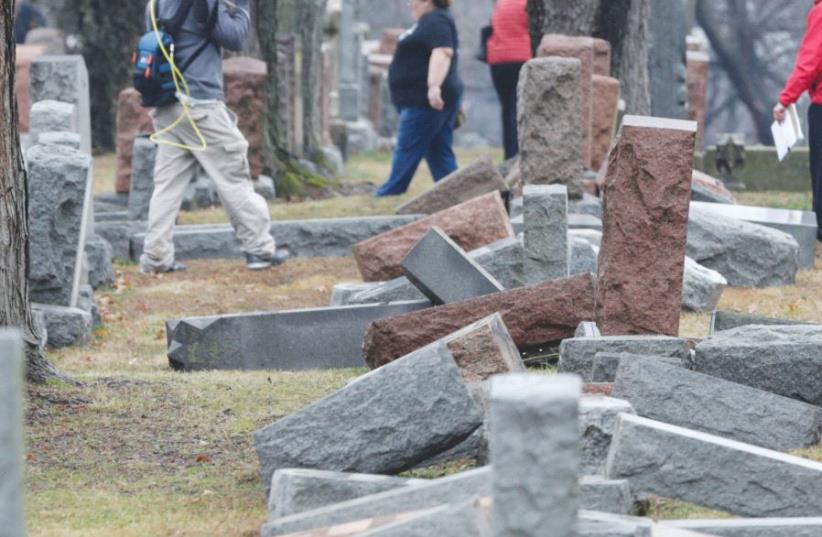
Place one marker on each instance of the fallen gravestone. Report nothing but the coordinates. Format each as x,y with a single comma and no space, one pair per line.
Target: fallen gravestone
534,316
726,320
535,454
484,349
546,233
384,422
780,359
705,188
801,225
549,119
713,472
472,224
577,355
685,398
587,329
11,433
606,365
144,155
755,527
293,340
597,423
465,184
645,226
453,520
444,273
702,287
747,255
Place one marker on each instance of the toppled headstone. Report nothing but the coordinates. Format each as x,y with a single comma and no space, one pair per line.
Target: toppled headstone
535,454
713,472
549,123
597,424
747,255
65,79
342,293
680,397
702,287
781,359
606,495
453,489
801,225
132,120
752,527
478,178
534,316
294,340
298,490
144,156
456,520
710,189
384,422
726,320
645,226
66,327
587,329
11,433
484,349
606,365
546,233
472,224
577,355
52,116
582,49
59,190
444,273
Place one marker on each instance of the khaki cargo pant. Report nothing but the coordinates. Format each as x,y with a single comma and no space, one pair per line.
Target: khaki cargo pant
226,163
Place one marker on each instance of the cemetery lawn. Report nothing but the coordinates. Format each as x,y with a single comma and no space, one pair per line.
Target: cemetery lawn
134,449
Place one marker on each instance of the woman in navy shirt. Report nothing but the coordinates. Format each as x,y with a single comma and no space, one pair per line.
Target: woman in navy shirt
427,90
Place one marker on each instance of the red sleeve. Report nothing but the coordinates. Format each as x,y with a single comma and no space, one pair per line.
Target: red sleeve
808,62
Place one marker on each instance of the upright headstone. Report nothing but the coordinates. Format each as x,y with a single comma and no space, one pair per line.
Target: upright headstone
286,90
666,59
22,67
606,92
52,116
546,233
699,70
132,120
59,204
581,48
645,227
550,135
245,95
11,434
65,79
602,57
350,63
535,454
144,155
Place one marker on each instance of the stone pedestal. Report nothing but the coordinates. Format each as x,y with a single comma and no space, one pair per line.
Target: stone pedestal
645,227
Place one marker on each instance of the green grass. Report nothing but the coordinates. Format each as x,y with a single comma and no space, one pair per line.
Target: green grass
800,201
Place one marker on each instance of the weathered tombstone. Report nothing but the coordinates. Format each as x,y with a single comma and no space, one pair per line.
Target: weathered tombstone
727,320
598,418
132,120
675,395
65,79
444,273
59,204
546,233
350,66
472,224
582,49
702,287
144,156
378,423
667,72
484,349
699,74
65,327
645,227
295,340
11,434
535,454
478,178
535,316
550,137
713,472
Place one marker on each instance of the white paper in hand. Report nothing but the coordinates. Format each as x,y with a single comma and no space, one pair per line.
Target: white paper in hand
787,133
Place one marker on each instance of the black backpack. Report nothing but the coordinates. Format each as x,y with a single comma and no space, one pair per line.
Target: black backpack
153,76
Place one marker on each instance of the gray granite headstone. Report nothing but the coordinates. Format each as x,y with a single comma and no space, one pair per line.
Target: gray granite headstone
667,69
350,67
546,233
11,434
727,320
52,116
142,178
444,273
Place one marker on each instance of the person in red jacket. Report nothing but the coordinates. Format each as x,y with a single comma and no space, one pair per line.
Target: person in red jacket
807,76
509,48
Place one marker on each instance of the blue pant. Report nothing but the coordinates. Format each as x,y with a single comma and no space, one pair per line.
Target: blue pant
423,133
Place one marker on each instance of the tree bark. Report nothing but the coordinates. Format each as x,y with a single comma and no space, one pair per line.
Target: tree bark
623,23
15,306
311,17
109,31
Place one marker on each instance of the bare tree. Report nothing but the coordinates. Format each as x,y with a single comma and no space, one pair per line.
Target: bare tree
754,44
311,15
15,305
623,23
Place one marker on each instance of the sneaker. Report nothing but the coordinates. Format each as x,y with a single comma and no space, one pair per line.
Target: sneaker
176,267
258,262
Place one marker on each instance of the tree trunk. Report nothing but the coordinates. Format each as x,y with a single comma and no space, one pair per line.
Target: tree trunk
15,307
623,23
311,18
109,31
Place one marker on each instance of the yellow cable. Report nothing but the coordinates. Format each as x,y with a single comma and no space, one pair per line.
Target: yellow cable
177,77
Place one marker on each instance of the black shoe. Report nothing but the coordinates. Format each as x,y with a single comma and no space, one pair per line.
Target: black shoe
176,267
258,262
